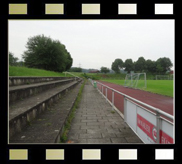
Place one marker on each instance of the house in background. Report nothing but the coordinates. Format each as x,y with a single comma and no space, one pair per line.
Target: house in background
94,71
171,72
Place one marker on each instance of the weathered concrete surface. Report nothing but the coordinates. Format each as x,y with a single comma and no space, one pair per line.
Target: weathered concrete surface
22,80
22,112
23,91
23,105
47,127
96,122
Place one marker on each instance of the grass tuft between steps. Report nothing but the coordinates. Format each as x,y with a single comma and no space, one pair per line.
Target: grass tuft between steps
67,126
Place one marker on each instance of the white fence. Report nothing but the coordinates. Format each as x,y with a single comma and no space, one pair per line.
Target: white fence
152,125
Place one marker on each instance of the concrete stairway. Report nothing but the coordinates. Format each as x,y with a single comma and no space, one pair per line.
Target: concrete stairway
30,98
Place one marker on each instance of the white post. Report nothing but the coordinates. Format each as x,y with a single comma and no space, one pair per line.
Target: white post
158,126
106,94
137,80
112,99
125,110
145,81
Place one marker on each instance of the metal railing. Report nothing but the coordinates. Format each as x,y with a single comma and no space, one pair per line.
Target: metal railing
72,75
157,112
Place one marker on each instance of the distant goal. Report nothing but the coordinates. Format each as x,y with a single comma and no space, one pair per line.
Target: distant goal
163,77
136,80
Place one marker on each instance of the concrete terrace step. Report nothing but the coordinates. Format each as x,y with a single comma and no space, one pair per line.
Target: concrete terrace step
23,91
48,127
22,80
23,111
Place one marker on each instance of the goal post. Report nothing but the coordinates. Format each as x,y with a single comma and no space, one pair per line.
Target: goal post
136,80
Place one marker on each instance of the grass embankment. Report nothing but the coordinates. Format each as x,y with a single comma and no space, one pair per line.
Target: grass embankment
24,71
64,136
163,87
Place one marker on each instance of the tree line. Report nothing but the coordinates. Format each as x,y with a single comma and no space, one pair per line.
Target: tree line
160,66
45,53
13,61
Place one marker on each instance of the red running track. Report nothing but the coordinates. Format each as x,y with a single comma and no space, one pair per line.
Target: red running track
161,102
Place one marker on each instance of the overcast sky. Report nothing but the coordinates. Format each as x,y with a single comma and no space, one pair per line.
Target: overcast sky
96,43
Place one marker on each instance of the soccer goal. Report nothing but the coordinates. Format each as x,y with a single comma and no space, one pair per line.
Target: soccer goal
162,77
136,80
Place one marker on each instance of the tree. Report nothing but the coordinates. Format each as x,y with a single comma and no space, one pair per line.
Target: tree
117,65
75,69
104,70
128,64
13,61
150,66
163,65
140,64
69,61
44,53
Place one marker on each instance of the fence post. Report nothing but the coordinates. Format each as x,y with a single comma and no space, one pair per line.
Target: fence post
112,99
106,93
125,109
158,126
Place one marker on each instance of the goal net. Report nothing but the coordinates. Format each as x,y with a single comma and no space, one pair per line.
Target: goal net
162,77
136,80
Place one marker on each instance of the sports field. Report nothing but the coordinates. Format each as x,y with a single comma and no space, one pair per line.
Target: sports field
163,87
